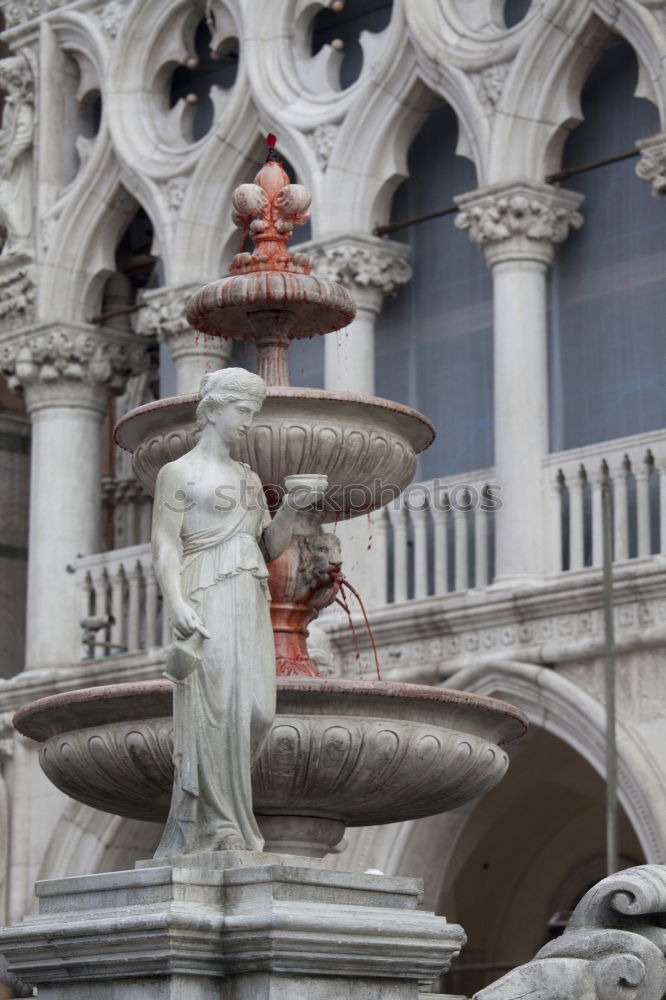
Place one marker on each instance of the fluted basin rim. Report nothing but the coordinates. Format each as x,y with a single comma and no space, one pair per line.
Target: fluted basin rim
86,707
127,440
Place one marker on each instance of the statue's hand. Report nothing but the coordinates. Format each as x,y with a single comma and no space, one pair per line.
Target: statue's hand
185,621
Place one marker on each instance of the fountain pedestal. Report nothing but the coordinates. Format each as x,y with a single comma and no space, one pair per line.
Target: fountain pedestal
249,927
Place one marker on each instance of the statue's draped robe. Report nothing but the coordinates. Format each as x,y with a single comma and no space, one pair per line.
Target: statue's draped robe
224,709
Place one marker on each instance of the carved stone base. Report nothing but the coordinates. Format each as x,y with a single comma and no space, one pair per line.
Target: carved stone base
258,932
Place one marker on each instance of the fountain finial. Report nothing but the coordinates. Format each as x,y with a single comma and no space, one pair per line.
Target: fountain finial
270,295
267,210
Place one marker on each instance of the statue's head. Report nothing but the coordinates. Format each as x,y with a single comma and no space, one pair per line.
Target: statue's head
233,389
16,77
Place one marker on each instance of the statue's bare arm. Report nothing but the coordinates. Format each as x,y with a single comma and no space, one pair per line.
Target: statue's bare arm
278,534
165,545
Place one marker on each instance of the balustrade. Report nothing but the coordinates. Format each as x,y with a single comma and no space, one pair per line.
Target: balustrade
436,538
635,469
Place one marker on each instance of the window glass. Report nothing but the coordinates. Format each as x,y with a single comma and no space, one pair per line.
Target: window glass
434,339
608,281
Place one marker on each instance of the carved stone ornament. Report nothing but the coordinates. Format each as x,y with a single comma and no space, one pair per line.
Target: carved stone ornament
16,140
163,313
176,189
491,81
322,140
652,165
112,16
17,293
613,947
51,362
519,220
362,263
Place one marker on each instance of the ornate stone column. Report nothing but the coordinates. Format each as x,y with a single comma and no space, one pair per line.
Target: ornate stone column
67,373
652,165
518,226
370,268
193,354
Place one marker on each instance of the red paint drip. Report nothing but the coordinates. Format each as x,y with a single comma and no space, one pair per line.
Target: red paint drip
342,601
344,582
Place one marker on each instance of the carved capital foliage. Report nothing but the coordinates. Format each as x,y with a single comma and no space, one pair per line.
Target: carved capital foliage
17,292
362,264
652,165
524,220
70,364
163,312
613,947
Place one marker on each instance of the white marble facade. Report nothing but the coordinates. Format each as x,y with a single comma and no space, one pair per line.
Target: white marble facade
88,139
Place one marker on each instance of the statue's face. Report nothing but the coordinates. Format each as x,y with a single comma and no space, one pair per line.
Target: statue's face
233,419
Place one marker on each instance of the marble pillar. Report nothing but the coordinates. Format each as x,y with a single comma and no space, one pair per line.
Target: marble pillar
518,226
67,373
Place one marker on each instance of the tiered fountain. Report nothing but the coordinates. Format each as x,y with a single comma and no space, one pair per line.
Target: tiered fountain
243,925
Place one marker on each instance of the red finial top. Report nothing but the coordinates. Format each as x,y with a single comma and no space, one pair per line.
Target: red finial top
271,140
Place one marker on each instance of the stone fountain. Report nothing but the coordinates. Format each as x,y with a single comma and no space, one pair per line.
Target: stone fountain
237,923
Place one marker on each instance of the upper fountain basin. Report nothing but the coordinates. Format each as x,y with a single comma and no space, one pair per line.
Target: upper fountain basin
342,752
358,441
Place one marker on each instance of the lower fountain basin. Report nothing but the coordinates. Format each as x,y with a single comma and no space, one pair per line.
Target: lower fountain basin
365,445
340,753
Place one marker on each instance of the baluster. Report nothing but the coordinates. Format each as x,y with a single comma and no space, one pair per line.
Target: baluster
481,574
145,517
599,478
620,473
661,465
101,605
134,607
557,522
642,475
398,518
117,606
460,548
420,522
379,526
151,605
440,520
576,523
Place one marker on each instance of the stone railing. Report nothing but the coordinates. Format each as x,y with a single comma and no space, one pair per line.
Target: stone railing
437,537
635,468
121,602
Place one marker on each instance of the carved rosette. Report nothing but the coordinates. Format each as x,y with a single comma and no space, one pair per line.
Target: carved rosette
71,365
370,268
652,165
523,221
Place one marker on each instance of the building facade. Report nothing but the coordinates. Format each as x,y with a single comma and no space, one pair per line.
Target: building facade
488,181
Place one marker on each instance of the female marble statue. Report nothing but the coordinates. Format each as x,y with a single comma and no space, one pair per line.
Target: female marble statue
211,531
16,137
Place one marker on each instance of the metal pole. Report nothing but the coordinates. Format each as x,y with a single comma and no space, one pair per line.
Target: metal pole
612,854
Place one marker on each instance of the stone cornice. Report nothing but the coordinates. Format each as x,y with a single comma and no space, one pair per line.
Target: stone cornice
370,268
652,165
70,364
523,220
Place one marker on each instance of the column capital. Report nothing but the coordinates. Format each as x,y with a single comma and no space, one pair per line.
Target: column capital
68,364
370,268
652,165
163,316
521,221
